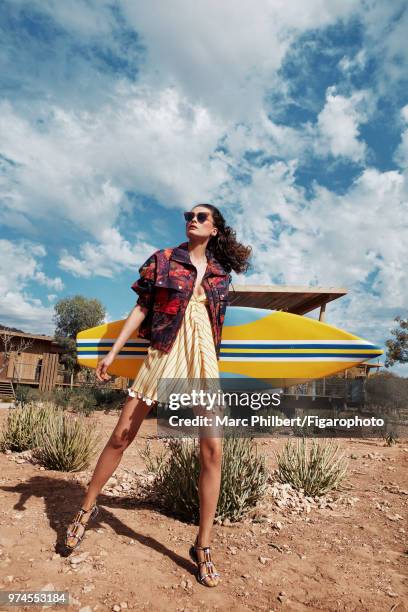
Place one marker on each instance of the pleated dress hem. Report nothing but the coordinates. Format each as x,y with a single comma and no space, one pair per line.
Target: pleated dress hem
149,401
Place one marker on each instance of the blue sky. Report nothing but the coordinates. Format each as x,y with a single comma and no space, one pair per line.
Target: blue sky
117,116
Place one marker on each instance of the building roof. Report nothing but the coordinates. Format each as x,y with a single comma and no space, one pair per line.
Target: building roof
20,334
295,299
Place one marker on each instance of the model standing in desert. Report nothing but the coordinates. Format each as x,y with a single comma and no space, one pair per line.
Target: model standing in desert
182,299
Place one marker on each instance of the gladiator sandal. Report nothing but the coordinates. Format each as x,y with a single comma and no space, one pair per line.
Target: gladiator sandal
76,529
211,574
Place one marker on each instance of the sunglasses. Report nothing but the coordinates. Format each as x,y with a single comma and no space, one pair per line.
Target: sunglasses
201,216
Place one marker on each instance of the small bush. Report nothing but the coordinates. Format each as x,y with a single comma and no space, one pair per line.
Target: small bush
23,425
391,437
107,397
153,464
25,394
243,478
316,470
61,396
66,442
83,401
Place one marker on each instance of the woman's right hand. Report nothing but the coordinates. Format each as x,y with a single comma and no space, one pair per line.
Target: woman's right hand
103,365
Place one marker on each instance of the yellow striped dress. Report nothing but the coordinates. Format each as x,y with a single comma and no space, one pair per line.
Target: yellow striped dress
192,356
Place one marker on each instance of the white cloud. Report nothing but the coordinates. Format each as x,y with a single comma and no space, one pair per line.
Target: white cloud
337,130
107,258
401,153
80,171
218,53
350,65
18,269
385,26
50,283
333,238
347,241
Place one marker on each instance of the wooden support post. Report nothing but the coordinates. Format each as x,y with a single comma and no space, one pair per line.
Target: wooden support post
322,314
49,371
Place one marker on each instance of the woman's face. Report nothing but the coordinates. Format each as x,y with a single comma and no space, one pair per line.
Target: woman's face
202,230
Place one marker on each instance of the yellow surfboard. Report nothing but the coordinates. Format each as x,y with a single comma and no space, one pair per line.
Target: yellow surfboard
256,343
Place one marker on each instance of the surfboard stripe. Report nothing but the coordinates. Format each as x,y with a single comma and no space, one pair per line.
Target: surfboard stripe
294,359
92,356
252,356
299,341
255,345
106,342
297,345
102,352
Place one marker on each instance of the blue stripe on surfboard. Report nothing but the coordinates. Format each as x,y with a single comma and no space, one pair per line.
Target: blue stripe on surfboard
120,356
289,345
104,343
256,345
247,357
102,352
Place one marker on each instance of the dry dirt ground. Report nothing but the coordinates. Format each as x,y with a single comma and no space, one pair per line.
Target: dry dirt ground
348,555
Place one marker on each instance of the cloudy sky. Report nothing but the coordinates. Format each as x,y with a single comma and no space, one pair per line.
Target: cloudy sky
117,116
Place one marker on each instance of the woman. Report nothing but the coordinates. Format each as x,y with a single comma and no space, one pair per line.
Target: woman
183,294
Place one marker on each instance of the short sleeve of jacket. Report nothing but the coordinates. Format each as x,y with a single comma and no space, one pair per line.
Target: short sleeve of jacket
143,286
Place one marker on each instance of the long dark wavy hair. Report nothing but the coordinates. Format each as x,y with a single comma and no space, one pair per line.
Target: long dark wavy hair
226,249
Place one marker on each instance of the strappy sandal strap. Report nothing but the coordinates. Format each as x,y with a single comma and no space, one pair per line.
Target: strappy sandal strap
210,574
77,523
207,562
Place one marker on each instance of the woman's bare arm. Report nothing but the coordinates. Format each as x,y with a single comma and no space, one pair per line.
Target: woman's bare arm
131,324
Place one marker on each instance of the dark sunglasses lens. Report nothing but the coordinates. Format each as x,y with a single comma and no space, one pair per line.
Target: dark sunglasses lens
201,217
189,216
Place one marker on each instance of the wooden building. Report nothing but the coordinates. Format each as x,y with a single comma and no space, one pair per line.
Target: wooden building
33,360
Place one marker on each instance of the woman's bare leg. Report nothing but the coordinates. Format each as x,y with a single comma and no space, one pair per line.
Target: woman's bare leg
208,485
208,490
130,420
132,415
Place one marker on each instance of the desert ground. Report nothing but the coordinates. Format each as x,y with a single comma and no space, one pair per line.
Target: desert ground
349,552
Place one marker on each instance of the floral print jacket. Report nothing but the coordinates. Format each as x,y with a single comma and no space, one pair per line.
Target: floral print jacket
165,287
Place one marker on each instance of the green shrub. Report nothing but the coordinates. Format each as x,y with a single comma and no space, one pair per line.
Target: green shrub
21,393
83,401
25,394
106,396
391,437
66,442
153,464
243,478
23,425
316,470
87,399
61,396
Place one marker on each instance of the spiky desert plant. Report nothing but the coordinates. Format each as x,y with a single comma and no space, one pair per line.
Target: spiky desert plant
391,437
153,463
24,424
66,442
316,469
243,478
